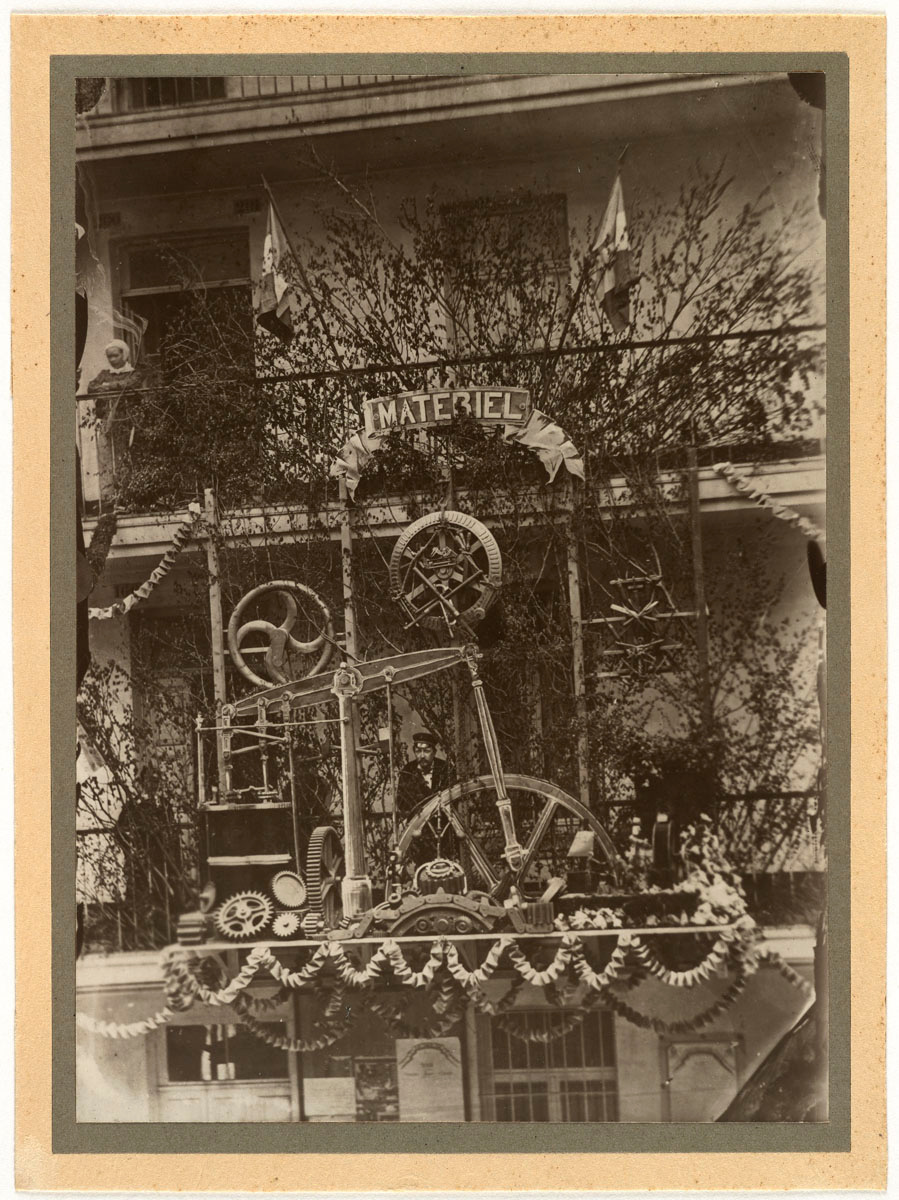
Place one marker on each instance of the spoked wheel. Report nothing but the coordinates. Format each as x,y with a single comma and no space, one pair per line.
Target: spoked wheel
324,872
546,821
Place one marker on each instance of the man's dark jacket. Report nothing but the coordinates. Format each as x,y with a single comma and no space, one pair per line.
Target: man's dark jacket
411,788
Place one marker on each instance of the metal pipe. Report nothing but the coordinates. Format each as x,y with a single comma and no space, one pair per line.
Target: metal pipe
356,886
487,936
702,614
391,764
578,666
201,766
213,567
292,783
513,852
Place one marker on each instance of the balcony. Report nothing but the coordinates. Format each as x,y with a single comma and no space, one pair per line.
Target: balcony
159,94
161,123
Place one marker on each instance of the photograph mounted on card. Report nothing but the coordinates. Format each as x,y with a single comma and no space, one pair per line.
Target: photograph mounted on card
448,636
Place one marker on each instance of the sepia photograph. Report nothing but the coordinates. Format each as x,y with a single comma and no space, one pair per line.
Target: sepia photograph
451,591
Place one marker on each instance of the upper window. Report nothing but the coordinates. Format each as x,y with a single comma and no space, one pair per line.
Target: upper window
186,297
168,92
507,264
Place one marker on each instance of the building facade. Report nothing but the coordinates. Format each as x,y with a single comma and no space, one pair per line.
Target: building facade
440,231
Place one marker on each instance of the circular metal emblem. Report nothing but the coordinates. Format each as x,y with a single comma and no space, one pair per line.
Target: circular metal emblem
445,569
285,656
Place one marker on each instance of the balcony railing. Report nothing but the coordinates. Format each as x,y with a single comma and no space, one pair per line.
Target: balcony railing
168,92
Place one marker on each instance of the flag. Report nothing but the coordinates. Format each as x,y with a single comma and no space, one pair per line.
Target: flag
274,313
615,275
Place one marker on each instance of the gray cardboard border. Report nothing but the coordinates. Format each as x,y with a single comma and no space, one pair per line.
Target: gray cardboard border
70,1137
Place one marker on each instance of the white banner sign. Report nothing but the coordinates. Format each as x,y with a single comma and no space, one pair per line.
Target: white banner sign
410,410
429,1074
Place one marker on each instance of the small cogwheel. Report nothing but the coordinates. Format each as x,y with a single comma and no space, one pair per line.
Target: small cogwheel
243,915
285,924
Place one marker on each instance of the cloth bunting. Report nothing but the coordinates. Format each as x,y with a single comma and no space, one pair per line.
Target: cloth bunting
614,270
274,315
549,441
352,458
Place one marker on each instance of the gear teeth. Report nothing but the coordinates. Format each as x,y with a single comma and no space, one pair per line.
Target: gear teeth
243,915
286,924
324,838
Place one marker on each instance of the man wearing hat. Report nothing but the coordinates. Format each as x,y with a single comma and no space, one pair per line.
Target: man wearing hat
423,776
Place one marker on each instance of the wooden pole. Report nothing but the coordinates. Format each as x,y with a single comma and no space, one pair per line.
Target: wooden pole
219,685
578,662
699,597
356,886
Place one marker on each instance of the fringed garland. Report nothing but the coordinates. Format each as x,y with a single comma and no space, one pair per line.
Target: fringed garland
181,535
115,1029
740,483
256,1006
784,969
718,955
600,980
387,954
448,1009
184,985
332,1027
691,1024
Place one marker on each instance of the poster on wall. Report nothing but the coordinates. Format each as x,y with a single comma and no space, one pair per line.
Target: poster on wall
429,1074
376,1091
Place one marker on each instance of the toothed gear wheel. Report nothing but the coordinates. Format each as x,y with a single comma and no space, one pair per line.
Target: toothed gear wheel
324,871
286,924
443,914
244,915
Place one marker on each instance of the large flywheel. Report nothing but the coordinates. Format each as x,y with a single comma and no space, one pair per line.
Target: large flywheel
547,820
324,873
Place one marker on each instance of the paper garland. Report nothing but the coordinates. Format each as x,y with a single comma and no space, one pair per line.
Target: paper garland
716,958
113,1029
784,968
121,607
183,987
690,1024
333,1027
740,483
